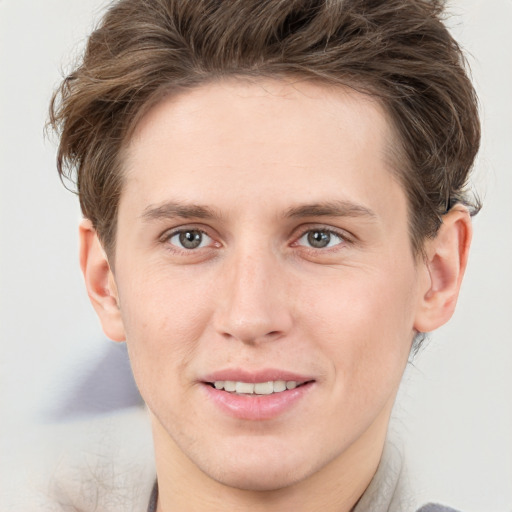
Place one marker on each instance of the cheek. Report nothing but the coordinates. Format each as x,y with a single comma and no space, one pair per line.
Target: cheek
163,318
363,321
155,300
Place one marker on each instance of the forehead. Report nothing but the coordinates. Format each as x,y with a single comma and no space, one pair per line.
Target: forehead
226,142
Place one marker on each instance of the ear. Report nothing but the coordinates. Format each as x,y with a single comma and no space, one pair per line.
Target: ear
445,263
100,282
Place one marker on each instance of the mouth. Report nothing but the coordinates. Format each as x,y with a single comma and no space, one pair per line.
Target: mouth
256,388
264,395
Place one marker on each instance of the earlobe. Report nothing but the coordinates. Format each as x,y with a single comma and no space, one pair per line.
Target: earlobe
99,281
445,263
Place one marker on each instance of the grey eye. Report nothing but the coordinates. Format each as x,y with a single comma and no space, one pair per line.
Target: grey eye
320,239
190,239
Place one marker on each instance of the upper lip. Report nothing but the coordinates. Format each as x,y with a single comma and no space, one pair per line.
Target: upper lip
264,375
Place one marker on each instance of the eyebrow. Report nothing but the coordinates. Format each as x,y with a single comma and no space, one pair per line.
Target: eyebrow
331,209
170,210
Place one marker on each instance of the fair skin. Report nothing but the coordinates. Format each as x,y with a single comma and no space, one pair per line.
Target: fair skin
262,236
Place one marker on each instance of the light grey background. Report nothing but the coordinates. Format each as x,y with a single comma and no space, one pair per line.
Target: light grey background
455,408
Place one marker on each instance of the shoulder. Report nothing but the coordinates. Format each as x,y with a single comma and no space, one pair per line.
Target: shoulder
432,507
104,462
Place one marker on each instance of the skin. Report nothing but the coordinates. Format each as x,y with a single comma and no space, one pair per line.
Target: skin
256,157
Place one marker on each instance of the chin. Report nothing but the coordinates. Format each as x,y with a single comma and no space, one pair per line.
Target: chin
262,468
258,479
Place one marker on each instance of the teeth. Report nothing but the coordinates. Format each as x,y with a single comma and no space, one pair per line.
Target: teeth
259,388
280,385
229,385
264,388
244,388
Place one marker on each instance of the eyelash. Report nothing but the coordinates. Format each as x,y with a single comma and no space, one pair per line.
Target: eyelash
345,239
168,235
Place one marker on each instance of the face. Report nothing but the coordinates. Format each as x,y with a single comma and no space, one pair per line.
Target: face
265,278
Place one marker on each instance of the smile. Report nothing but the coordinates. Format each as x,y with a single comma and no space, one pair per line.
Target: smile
255,388
259,399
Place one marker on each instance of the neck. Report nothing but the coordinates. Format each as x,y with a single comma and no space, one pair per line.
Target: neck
336,487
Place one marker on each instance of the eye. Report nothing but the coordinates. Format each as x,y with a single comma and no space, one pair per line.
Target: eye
320,239
190,239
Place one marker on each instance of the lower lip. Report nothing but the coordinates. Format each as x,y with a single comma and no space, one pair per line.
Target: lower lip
256,407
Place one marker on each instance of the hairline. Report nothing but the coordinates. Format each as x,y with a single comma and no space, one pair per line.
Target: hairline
394,155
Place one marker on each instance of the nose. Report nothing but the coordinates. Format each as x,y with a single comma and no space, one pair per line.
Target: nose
254,305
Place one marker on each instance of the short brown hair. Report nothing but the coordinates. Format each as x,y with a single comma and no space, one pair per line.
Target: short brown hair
396,50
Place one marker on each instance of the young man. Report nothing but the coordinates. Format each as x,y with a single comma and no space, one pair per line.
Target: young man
275,210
